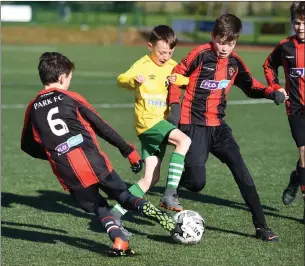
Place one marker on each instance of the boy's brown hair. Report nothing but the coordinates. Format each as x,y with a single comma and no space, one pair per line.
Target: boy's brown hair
52,65
228,26
164,33
297,10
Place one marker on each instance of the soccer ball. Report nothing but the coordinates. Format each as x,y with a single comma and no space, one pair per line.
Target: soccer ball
190,227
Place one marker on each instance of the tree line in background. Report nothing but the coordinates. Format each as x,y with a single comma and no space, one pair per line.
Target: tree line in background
242,9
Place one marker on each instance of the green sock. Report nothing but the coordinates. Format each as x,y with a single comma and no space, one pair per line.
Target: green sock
136,191
175,170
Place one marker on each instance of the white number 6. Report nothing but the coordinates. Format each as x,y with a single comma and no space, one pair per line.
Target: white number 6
55,122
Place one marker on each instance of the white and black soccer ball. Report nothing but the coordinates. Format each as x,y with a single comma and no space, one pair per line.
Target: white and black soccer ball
190,227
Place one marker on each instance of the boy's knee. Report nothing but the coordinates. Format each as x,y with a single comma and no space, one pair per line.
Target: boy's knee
181,139
195,186
186,140
194,178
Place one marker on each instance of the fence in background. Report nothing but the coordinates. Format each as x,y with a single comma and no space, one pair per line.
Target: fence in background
195,27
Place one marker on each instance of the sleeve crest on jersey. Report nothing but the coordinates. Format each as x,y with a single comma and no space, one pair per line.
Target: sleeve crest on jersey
231,71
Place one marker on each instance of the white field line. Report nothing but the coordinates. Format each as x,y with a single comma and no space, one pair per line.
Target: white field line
101,74
75,81
131,105
27,48
78,73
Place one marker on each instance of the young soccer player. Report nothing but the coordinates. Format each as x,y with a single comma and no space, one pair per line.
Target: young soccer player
149,77
290,53
61,126
212,69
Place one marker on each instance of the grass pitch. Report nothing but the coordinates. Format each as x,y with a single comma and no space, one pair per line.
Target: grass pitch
42,226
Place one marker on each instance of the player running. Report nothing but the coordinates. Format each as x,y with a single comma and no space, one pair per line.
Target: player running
290,53
213,68
149,78
61,126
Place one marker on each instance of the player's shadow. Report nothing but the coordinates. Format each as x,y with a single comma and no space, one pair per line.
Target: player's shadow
208,199
204,198
63,203
48,201
49,238
160,238
34,226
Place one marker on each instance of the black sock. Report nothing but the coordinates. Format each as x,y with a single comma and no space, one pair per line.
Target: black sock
247,188
108,223
112,229
252,200
301,174
294,177
129,201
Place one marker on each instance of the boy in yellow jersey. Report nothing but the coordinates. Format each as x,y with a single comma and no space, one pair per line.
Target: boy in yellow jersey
149,77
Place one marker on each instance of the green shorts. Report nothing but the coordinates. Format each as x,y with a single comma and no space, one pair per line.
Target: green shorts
154,140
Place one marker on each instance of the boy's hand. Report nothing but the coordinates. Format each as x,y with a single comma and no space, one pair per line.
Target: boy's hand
139,79
135,161
178,79
285,93
172,78
277,96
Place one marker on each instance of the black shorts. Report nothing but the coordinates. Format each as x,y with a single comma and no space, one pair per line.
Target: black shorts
112,185
297,127
214,139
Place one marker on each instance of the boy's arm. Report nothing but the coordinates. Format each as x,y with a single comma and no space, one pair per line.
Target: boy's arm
180,80
105,131
271,65
28,143
127,79
252,87
249,85
183,70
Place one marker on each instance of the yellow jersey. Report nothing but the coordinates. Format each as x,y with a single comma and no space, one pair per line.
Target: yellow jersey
150,96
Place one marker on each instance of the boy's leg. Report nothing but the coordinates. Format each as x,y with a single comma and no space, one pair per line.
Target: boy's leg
150,140
90,200
225,148
176,165
136,190
114,187
297,177
151,176
301,174
291,190
194,175
154,142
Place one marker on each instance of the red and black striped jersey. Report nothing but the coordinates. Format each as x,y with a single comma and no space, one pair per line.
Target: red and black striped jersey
205,99
290,54
61,126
